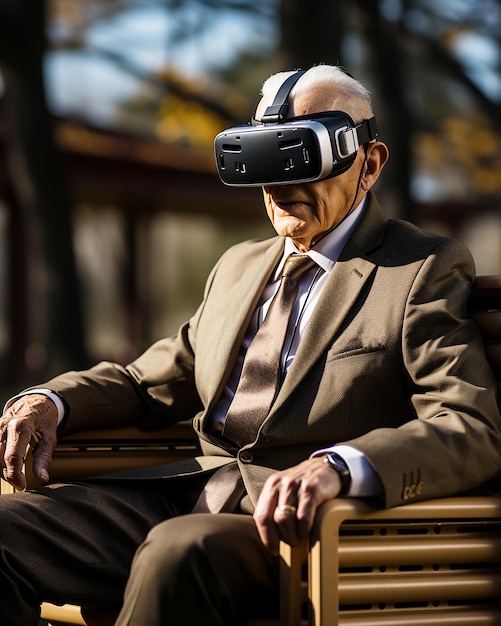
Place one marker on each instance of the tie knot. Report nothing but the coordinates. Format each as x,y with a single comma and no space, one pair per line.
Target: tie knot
296,265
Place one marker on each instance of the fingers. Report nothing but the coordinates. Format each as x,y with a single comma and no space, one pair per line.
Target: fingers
30,422
291,526
14,454
264,515
289,500
42,451
277,512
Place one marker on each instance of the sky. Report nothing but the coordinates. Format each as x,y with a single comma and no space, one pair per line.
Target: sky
480,57
82,83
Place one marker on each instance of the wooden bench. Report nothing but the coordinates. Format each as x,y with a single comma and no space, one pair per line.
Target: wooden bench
430,563
427,563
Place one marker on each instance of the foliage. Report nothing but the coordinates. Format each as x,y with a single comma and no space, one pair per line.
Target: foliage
433,68
428,63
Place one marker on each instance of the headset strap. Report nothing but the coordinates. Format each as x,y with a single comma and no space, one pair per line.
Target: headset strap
353,138
277,111
367,130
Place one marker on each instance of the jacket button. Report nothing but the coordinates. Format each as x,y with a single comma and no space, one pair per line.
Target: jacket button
246,456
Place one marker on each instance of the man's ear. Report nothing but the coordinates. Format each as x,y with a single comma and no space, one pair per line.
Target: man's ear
375,159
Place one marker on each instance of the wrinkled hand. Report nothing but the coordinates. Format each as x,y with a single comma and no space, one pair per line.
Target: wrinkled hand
287,505
29,421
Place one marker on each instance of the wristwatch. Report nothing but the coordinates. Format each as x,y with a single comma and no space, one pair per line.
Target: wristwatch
339,465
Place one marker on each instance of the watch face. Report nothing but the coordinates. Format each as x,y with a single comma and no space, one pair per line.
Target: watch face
339,465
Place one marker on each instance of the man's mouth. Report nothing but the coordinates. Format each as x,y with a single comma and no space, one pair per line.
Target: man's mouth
289,204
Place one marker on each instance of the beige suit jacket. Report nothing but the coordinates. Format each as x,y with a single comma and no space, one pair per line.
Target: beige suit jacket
389,363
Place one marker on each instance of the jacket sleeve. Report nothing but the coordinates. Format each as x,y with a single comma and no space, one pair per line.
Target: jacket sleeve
454,444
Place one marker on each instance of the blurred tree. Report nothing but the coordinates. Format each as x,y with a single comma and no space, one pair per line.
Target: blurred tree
411,53
438,107
40,208
311,33
73,20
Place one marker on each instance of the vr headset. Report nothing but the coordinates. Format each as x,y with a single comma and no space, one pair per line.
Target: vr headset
280,150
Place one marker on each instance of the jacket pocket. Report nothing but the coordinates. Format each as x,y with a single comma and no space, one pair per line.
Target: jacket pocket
336,354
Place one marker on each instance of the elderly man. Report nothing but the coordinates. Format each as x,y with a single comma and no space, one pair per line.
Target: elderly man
336,358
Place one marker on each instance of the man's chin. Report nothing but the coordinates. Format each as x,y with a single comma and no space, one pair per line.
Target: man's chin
290,227
294,230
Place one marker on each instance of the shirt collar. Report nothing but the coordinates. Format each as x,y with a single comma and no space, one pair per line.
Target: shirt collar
326,252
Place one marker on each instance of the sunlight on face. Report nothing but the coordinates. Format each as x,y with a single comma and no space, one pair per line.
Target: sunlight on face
306,211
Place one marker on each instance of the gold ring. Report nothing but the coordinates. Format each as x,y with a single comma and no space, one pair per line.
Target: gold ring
288,509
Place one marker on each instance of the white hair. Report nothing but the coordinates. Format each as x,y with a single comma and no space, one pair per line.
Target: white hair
348,89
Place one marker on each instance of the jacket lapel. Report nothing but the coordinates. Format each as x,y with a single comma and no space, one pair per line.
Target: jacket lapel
340,293
350,273
348,277
239,309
